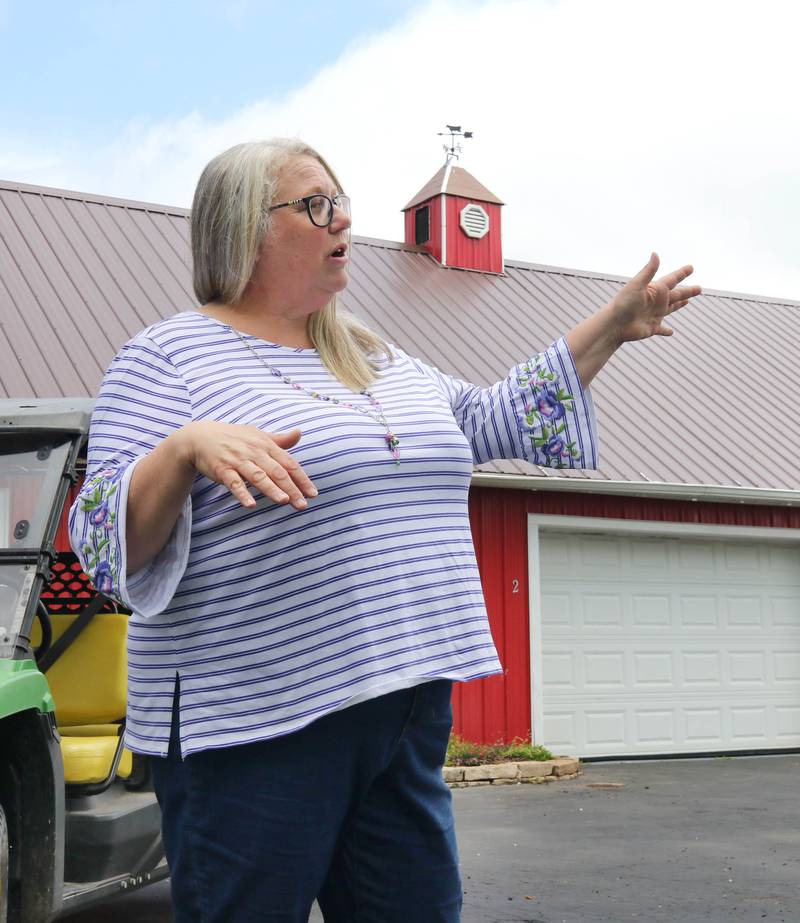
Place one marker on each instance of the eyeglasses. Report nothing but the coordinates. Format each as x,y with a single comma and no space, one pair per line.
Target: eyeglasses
320,207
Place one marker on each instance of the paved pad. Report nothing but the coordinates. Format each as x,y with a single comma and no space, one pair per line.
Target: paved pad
690,840
684,841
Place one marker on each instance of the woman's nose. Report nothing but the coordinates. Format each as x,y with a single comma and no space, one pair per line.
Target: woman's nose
340,220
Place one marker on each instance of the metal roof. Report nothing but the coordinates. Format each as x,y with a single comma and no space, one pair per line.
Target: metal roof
717,404
453,181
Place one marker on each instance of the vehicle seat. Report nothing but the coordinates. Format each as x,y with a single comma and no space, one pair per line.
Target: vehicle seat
89,684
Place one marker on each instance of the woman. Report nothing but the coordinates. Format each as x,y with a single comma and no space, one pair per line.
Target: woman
281,499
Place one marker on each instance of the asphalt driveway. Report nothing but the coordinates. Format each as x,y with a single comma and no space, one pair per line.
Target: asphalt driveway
674,840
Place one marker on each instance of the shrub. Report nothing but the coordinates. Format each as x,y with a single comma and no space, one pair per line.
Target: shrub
462,752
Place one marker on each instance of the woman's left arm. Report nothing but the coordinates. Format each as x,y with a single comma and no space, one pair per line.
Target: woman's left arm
636,312
542,410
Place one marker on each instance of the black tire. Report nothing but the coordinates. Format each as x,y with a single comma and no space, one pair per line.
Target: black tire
3,867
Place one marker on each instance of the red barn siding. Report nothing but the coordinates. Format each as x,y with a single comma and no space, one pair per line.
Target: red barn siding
484,254
498,708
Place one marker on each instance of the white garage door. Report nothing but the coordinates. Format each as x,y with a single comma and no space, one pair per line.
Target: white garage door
667,645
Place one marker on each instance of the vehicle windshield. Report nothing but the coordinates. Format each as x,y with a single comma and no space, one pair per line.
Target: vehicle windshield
16,581
30,472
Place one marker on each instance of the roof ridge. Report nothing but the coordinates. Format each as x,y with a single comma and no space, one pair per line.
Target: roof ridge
75,196
385,244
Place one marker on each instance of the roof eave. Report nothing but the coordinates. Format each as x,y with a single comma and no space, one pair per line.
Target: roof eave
710,493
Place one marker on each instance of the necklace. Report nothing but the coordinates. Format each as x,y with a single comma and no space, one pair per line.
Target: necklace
392,442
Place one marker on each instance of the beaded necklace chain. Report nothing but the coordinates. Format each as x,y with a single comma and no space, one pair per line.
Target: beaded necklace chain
392,442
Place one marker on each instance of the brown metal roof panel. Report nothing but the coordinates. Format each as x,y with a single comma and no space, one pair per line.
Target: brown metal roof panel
463,183
452,326
431,188
434,307
19,336
81,303
69,194
152,256
145,298
13,377
459,183
32,302
169,263
175,232
378,305
95,286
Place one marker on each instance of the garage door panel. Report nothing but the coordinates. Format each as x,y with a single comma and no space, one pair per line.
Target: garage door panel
788,723
608,730
698,611
748,667
651,611
787,667
655,726
750,725
744,612
668,646
785,611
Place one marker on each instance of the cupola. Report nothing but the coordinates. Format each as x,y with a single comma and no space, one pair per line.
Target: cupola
457,220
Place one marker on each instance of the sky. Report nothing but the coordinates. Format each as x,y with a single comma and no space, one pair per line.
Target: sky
609,128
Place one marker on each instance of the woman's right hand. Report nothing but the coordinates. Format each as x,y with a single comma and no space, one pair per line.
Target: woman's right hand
235,455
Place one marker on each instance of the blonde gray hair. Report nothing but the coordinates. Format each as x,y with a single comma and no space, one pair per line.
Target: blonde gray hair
231,218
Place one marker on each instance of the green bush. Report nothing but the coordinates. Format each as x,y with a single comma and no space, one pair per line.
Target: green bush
462,752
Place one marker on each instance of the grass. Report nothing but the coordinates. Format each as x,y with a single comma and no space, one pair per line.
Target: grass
465,753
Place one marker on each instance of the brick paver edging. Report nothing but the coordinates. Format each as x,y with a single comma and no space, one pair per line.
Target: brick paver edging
534,771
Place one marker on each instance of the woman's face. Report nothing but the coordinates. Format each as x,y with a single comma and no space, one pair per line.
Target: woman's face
297,271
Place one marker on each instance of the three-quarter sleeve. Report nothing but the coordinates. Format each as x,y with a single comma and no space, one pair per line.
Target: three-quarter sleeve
539,412
142,400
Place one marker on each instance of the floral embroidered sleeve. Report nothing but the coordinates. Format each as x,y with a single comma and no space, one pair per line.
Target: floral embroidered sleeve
99,552
142,400
539,412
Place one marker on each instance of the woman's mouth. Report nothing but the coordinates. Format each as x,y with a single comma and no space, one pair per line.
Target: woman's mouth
339,253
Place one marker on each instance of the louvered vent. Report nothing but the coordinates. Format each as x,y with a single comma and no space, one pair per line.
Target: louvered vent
474,221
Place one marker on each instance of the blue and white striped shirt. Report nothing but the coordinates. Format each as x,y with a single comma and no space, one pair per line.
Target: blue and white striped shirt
272,616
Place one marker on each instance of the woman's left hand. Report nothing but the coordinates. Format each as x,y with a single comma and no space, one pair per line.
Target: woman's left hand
639,308
636,312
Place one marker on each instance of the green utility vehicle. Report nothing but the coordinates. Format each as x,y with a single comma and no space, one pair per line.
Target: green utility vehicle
78,818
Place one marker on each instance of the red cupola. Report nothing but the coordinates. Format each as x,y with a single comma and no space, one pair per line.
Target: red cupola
457,220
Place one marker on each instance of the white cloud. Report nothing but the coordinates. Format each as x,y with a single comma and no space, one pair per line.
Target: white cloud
609,128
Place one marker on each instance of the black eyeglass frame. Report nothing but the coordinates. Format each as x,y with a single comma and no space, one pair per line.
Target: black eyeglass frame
333,202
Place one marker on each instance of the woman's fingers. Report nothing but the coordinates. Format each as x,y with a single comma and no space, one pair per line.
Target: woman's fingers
684,293
237,456
294,471
646,273
672,279
286,439
231,479
276,473
276,482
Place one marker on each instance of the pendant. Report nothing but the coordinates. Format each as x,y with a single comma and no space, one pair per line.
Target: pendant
393,442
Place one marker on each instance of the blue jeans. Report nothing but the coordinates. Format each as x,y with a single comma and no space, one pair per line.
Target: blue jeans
351,810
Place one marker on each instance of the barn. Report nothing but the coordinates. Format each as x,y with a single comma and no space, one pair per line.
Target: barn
651,607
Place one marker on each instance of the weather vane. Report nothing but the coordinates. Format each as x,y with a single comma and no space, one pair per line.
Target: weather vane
452,150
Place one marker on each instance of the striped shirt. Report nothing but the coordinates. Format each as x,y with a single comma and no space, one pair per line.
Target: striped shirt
272,616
